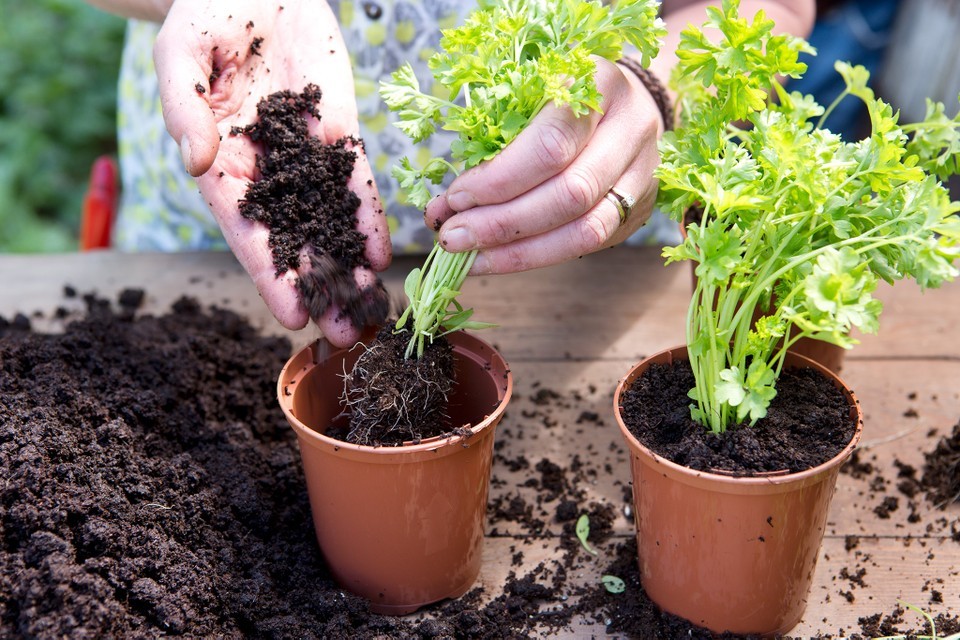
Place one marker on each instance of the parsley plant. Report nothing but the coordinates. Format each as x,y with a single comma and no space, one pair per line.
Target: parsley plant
797,224
498,70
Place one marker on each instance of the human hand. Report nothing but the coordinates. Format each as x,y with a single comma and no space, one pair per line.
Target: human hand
542,200
213,70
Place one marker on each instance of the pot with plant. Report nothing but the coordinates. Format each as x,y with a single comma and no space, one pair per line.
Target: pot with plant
735,441
396,435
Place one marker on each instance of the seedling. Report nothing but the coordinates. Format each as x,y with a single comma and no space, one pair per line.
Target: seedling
583,533
798,226
613,584
499,69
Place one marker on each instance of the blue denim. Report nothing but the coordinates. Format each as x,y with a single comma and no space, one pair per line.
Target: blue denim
857,32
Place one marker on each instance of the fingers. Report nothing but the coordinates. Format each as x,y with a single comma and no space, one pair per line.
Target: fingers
621,152
371,219
183,73
546,147
598,228
567,214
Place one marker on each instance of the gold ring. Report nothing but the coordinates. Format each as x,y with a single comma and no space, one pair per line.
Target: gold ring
622,201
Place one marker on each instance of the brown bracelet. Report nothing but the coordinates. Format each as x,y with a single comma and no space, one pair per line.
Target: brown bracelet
655,87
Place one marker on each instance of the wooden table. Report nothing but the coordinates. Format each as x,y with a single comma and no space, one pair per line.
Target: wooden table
575,329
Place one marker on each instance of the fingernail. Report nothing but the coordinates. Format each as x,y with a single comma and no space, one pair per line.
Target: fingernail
457,239
461,200
185,152
480,266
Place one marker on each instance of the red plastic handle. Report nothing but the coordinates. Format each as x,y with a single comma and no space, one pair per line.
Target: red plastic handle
99,205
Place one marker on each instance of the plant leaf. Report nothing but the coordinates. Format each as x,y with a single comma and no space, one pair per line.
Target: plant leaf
583,532
613,584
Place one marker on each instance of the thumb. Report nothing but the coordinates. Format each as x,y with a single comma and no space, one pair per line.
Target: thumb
183,76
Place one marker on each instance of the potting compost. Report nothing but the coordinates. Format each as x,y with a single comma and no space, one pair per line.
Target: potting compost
807,423
151,487
302,196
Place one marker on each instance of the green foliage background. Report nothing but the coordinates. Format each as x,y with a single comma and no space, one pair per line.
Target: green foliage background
59,61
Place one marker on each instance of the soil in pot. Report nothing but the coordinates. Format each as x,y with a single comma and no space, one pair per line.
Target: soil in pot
807,424
302,196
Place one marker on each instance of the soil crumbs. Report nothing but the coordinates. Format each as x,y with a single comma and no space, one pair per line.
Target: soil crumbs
303,197
151,487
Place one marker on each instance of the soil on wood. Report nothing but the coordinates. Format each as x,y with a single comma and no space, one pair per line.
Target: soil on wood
393,399
302,196
807,424
152,488
941,470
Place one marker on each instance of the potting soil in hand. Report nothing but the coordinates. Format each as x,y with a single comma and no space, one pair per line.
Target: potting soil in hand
302,196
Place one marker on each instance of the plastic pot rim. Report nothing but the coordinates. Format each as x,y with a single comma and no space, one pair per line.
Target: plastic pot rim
763,483
464,344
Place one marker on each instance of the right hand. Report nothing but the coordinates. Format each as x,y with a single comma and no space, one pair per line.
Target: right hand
211,79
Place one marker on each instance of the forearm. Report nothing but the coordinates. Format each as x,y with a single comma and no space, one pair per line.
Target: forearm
795,17
153,10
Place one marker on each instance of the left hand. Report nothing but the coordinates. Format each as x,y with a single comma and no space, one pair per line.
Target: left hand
542,200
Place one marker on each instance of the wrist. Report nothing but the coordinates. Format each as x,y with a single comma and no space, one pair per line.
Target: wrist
654,87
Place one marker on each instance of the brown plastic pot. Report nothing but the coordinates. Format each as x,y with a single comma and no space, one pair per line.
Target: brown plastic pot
400,526
728,553
829,355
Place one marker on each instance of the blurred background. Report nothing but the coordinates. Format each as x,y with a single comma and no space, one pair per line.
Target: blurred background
59,61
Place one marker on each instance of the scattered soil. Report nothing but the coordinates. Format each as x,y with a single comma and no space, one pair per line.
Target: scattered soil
302,196
152,488
807,423
880,625
393,399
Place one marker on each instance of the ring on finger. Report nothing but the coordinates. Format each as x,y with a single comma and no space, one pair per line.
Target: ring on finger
624,203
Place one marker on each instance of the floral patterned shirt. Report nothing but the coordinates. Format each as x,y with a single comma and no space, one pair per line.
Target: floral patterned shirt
161,208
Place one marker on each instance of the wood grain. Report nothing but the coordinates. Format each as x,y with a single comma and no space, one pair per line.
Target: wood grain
570,332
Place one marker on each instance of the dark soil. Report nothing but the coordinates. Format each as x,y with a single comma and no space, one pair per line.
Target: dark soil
807,423
152,488
301,195
941,470
393,399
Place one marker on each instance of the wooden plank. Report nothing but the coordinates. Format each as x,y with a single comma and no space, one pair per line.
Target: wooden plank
894,569
616,304
570,332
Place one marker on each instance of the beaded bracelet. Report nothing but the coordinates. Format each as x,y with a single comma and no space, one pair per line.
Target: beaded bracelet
655,87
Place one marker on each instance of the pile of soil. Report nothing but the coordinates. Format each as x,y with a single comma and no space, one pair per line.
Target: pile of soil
301,195
151,487
807,424
941,470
